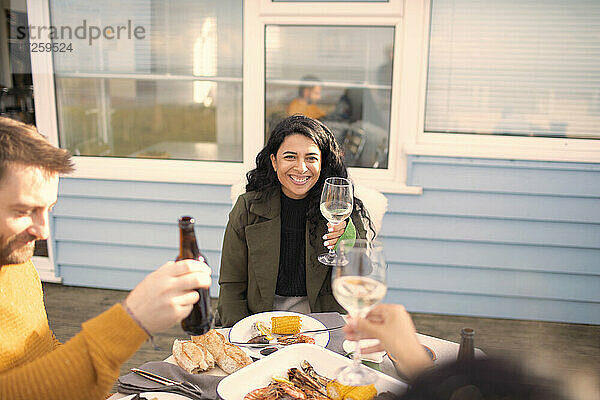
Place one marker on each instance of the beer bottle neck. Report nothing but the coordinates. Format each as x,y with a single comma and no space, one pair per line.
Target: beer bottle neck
188,247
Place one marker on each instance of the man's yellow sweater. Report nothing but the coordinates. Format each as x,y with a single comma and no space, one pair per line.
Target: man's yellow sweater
34,365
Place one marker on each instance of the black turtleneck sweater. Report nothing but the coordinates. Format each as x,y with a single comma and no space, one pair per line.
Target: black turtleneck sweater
291,278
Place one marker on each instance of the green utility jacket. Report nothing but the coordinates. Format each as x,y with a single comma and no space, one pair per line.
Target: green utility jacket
250,260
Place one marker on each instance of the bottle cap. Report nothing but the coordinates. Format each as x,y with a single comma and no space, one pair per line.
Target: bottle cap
467,332
186,219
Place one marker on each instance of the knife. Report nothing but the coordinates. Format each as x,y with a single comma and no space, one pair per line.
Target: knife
258,345
246,344
313,331
166,381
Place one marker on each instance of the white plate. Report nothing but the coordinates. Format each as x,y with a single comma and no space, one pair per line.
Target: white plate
158,395
242,330
324,361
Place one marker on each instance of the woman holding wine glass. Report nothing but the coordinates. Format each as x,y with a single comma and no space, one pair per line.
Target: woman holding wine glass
276,230
337,199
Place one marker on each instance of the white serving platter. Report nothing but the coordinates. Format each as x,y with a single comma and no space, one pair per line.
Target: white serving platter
324,361
158,396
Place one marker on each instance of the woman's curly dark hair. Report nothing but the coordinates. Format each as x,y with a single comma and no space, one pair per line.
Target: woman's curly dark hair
263,178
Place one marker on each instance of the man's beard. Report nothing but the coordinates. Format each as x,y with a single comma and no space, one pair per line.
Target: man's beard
13,251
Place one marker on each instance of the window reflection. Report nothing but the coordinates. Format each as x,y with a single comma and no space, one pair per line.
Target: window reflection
16,84
16,81
339,75
175,94
136,118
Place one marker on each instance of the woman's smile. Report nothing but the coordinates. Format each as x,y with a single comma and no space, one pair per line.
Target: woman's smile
299,179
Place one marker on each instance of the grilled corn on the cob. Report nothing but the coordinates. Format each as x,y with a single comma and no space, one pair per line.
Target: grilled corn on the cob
337,391
366,392
286,324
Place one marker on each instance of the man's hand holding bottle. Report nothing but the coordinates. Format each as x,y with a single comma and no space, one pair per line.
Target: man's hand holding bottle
167,295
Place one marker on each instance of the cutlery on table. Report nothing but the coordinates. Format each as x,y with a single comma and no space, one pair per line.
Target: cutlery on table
314,331
166,381
287,334
258,345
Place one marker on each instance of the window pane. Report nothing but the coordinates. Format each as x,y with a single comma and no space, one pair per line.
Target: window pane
133,118
340,75
16,84
173,91
515,68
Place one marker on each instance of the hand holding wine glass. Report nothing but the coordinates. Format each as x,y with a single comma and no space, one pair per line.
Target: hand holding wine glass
337,202
358,283
392,325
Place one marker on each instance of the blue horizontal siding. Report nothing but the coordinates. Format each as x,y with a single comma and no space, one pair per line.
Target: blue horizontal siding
141,210
154,191
492,238
105,278
507,283
492,230
132,234
498,205
496,307
521,177
119,257
489,255
113,233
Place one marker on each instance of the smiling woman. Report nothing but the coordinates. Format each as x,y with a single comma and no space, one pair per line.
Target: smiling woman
298,165
275,230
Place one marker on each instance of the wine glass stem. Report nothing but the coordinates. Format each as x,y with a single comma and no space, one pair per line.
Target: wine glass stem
356,356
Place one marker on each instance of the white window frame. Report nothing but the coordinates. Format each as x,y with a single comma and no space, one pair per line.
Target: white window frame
320,8
419,142
257,14
135,169
393,178
410,18
44,121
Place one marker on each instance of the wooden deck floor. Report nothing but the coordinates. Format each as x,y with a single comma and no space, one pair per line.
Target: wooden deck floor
568,351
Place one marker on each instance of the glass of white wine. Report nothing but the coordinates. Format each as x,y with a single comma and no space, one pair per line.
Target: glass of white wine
337,201
358,283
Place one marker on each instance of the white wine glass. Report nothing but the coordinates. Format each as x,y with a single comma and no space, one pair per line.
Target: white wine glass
358,283
337,201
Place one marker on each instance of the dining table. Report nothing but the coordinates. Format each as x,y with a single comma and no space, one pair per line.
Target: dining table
440,350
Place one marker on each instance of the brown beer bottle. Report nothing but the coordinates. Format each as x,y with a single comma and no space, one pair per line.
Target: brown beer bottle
466,351
200,319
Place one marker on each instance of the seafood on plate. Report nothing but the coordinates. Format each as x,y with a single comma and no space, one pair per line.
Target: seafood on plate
306,384
296,338
259,328
262,333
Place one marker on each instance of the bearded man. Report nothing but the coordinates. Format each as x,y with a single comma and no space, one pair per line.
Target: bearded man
33,364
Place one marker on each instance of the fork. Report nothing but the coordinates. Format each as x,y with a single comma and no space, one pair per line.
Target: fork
258,345
333,328
166,381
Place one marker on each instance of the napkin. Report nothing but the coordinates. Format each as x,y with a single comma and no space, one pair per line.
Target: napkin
349,235
132,383
377,357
